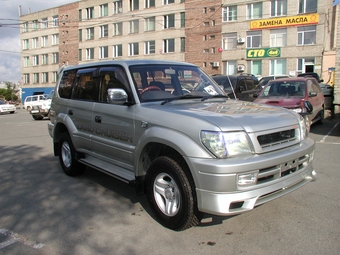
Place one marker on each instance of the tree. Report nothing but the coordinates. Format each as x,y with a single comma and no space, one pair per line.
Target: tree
9,93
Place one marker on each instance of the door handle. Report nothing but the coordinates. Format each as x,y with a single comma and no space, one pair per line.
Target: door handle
70,112
98,119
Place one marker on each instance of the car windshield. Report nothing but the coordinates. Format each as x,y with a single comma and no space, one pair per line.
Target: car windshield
284,89
171,82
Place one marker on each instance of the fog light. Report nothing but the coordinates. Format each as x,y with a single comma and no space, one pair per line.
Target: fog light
247,179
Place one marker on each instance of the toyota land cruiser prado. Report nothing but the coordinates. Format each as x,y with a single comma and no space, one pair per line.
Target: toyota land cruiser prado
168,129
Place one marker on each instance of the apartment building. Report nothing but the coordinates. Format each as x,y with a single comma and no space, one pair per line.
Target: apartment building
223,37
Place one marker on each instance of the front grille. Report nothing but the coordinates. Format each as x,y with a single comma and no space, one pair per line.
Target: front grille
277,138
282,170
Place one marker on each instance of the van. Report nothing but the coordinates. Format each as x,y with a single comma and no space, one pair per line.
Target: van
33,101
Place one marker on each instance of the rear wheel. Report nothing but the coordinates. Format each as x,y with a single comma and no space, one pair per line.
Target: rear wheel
37,117
171,194
321,117
67,157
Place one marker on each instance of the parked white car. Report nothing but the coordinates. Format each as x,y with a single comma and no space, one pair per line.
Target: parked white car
42,110
5,107
33,101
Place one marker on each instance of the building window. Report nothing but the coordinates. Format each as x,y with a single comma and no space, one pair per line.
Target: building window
134,5
306,35
35,43
55,58
229,41
150,24
308,6
26,61
278,8
44,59
117,51
133,49
104,31
80,35
90,33
26,78
44,41
117,28
182,19
134,26
254,11
305,65
36,78
44,77
182,44
25,27
80,15
254,39
149,3
229,13
205,50
35,60
255,67
168,2
89,53
278,37
35,25
90,13
168,45
103,52
80,54
230,67
277,66
25,44
54,76
55,39
169,21
117,7
44,23
103,10
55,21
149,47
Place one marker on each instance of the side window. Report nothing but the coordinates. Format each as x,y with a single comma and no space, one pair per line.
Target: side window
65,85
28,99
86,87
316,87
112,78
35,98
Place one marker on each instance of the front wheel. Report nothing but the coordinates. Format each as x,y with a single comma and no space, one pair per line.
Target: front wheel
37,117
67,157
171,194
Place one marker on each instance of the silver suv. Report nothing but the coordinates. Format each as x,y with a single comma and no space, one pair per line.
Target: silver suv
168,128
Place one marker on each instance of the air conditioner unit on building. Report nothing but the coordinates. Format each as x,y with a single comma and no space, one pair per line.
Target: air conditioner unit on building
240,68
241,40
215,64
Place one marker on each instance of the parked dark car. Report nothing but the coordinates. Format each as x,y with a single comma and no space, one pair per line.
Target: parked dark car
312,74
328,91
243,85
291,93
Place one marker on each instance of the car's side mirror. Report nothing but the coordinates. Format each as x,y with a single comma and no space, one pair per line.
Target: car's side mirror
308,106
312,94
116,96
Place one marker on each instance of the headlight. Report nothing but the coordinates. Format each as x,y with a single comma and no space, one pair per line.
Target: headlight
226,144
303,128
298,110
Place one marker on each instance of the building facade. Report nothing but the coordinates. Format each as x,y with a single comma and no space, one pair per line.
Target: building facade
223,37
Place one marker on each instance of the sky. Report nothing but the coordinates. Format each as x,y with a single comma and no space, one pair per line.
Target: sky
10,33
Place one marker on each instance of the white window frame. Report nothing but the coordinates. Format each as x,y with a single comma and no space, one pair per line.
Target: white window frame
150,24
44,77
44,23
55,58
165,2
273,66
25,27
134,26
278,8
251,10
103,31
89,53
118,29
44,41
169,45
252,63
117,50
229,41
229,13
44,59
306,32
54,76
35,25
117,7
134,5
252,38
103,10
89,12
150,47
35,42
103,52
26,61
133,49
90,33
169,21
25,44
230,67
149,3
278,37
55,21
35,60
308,6
55,39
35,77
26,78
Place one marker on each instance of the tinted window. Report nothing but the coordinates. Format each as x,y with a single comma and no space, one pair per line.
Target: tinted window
65,85
86,87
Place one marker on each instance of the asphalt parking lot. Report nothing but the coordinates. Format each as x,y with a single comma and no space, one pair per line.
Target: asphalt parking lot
45,212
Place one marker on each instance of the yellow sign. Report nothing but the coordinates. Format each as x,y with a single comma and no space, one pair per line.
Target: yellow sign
299,20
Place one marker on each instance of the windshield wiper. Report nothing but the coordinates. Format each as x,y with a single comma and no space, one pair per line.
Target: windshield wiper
213,96
187,96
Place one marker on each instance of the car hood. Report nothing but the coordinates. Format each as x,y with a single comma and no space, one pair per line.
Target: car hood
226,116
287,102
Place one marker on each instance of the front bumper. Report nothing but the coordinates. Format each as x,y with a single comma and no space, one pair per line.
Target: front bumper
280,172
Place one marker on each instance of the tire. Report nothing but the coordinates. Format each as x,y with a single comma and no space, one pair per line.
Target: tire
67,157
11,112
321,117
28,108
36,117
171,194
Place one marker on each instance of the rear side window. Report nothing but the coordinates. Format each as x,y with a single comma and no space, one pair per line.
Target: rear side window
65,85
87,86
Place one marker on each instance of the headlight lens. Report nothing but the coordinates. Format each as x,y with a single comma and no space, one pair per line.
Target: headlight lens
298,110
303,128
227,144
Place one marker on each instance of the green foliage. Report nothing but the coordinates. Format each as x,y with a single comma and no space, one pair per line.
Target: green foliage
9,93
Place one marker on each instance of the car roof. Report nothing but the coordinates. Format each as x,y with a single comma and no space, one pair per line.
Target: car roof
301,79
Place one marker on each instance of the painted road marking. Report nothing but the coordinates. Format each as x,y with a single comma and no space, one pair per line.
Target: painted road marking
13,238
326,136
